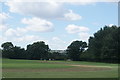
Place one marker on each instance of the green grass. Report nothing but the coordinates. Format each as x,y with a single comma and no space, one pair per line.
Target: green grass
61,75
31,65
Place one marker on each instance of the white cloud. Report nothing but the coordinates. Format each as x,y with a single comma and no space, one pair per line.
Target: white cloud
58,40
72,16
84,36
21,30
55,43
55,38
3,27
22,41
57,46
48,9
19,35
65,0
76,29
38,25
33,24
81,31
10,32
26,38
89,1
2,39
4,16
85,2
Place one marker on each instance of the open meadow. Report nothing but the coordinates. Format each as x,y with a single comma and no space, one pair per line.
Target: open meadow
57,69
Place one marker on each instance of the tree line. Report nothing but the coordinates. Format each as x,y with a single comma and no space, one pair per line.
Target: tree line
103,46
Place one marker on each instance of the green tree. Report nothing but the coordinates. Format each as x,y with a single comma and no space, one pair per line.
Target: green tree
12,52
104,44
19,53
86,56
7,49
38,50
75,49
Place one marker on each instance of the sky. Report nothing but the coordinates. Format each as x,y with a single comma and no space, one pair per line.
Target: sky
56,23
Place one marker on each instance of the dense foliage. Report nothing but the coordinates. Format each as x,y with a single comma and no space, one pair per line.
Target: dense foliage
103,46
38,50
75,49
13,52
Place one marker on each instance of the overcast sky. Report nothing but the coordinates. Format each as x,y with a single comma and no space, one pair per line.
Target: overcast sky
55,23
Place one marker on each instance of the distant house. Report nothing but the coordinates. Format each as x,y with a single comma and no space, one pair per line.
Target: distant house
58,54
59,51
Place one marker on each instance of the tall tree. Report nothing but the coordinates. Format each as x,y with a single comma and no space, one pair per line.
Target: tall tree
19,53
75,49
12,52
7,49
38,50
104,44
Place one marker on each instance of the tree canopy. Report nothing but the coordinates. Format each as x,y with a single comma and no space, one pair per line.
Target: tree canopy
7,49
37,50
104,44
75,49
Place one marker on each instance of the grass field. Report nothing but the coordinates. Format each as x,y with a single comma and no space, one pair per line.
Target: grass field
57,69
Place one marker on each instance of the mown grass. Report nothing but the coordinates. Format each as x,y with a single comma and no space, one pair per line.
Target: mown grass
31,64
101,74
37,64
